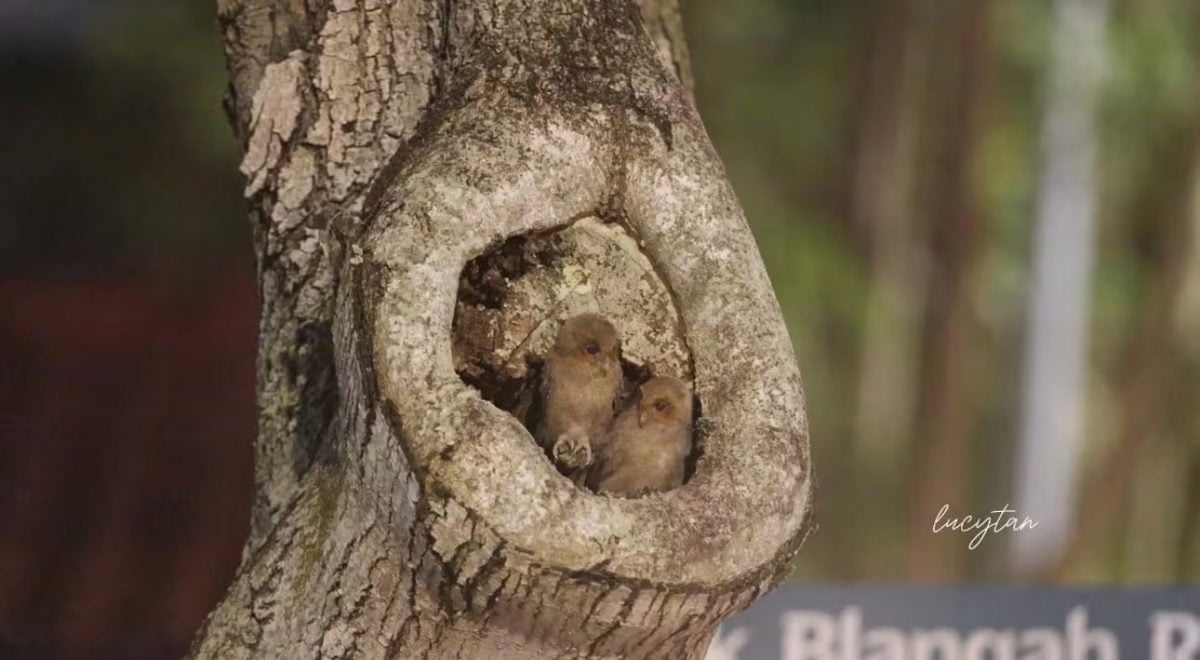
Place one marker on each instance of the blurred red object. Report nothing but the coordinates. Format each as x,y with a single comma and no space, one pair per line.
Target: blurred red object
126,428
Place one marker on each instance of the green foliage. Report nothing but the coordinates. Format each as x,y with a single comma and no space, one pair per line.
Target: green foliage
781,87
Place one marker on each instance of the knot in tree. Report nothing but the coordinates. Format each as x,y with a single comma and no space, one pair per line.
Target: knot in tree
435,187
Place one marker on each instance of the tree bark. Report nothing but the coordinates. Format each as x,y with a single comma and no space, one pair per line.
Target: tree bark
389,143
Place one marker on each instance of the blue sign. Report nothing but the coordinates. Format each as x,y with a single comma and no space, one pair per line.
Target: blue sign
964,623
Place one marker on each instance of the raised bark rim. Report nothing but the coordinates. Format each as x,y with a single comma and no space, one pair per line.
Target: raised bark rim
750,498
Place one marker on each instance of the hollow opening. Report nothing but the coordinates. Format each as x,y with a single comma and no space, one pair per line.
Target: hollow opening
513,299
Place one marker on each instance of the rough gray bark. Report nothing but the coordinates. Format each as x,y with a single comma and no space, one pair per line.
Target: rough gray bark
398,513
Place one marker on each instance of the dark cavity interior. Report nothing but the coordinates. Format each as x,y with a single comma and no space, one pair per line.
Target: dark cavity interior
507,313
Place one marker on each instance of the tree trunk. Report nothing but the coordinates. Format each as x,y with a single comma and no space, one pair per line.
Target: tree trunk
433,183
945,403
1055,371
882,205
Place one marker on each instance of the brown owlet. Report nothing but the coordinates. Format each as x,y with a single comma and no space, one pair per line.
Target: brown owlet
648,444
580,382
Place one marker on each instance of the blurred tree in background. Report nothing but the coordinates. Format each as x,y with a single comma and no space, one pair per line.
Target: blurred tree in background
888,155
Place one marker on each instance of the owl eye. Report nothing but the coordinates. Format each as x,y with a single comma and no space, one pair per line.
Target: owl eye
661,405
592,348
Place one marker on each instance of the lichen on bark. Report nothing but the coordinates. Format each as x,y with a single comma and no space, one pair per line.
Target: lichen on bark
400,514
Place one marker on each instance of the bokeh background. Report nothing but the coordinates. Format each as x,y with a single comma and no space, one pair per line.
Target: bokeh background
919,175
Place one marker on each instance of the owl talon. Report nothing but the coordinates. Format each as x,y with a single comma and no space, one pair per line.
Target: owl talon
572,451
